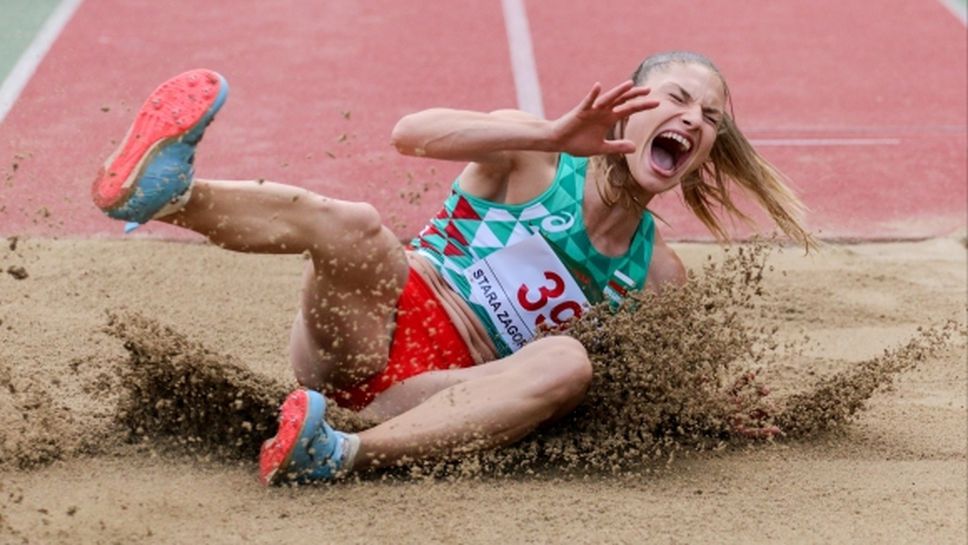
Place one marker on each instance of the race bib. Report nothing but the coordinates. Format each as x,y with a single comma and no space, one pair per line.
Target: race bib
524,288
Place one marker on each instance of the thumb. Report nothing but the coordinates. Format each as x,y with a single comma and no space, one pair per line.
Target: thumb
619,146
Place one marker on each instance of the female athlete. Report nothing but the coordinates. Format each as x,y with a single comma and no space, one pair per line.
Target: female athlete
434,338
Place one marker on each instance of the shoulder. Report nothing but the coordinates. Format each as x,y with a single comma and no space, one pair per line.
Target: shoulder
511,176
665,268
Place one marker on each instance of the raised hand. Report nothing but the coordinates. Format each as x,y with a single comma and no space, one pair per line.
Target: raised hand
583,131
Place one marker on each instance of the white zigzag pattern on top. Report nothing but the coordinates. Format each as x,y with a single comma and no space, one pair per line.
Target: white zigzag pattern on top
498,215
519,233
533,212
485,238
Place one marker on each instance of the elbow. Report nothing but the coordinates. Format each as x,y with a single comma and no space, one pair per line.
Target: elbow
407,136
667,270
401,137
680,277
677,275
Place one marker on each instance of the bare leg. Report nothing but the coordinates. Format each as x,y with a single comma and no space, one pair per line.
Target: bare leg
352,281
490,405
356,271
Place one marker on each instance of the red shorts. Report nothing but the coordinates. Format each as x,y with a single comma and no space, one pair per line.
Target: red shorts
424,340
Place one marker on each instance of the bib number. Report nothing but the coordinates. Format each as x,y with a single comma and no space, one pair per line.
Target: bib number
525,288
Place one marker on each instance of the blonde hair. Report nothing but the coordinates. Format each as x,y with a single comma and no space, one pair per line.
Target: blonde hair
706,190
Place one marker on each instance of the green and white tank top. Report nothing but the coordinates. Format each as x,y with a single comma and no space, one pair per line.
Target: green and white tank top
483,250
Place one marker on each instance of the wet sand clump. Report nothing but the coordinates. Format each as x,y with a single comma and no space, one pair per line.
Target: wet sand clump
177,388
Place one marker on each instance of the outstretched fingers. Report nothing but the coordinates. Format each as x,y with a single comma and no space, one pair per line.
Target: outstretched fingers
633,101
633,93
621,95
583,131
613,95
630,108
590,101
619,101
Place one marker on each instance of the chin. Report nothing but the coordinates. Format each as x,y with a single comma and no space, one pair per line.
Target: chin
656,185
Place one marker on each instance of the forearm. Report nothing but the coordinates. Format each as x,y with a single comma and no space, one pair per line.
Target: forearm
470,136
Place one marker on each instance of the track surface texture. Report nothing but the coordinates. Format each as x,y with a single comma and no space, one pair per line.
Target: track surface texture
870,126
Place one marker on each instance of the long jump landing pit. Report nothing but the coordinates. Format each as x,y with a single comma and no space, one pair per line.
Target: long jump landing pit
895,474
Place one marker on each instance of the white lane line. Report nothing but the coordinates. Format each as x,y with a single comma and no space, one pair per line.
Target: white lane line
807,142
522,57
959,9
856,130
28,62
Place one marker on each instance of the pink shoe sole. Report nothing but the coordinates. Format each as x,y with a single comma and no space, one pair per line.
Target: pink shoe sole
276,453
171,111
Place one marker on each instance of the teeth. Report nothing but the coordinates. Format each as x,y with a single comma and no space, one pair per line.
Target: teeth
685,144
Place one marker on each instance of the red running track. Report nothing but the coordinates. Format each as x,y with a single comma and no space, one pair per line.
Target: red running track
865,112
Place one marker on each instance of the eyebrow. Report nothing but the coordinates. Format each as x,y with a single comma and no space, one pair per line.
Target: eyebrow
684,93
688,97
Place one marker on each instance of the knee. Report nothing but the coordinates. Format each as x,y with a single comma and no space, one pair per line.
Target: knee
361,218
309,368
567,371
354,221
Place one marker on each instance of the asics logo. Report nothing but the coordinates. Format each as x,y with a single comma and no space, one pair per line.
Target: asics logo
556,224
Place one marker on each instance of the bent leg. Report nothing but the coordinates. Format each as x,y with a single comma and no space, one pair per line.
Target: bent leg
271,218
490,405
352,281
357,265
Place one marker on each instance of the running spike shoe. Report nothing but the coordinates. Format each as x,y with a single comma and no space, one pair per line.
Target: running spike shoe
154,166
305,448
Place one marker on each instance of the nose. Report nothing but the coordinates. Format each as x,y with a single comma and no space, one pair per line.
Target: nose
692,117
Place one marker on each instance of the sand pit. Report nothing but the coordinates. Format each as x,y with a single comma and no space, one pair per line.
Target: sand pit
86,458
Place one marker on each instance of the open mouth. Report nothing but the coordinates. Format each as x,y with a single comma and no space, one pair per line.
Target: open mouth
670,150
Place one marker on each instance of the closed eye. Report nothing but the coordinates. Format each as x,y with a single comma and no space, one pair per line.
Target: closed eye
712,117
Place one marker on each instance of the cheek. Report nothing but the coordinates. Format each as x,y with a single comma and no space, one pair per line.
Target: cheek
634,131
703,154
637,128
707,147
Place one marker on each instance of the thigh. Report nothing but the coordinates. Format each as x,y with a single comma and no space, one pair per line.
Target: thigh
537,369
341,334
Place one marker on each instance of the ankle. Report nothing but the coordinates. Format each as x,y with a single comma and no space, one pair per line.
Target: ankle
350,446
175,205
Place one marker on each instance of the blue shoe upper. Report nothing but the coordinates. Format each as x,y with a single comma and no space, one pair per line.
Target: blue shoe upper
169,173
318,455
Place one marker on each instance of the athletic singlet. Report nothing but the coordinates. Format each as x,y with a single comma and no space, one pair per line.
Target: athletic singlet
468,230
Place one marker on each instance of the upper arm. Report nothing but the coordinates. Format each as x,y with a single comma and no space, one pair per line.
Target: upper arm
462,135
665,269
503,149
